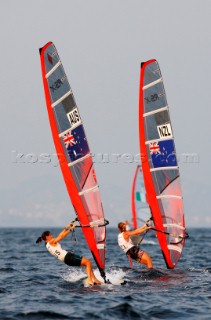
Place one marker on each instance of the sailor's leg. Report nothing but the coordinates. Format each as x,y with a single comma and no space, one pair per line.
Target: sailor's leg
145,259
87,263
95,279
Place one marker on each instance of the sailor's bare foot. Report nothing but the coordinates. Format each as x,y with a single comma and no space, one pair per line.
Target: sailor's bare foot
87,281
98,281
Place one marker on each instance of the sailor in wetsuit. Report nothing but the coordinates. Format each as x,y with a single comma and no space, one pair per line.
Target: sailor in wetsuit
69,258
127,245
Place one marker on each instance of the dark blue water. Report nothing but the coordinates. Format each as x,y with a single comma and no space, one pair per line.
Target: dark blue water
35,285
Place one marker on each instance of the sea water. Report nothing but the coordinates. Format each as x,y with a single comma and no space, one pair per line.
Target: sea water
35,285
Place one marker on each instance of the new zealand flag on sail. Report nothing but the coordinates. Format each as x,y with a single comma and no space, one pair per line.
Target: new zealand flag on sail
76,143
163,153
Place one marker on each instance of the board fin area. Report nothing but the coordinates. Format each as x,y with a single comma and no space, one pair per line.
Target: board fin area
115,282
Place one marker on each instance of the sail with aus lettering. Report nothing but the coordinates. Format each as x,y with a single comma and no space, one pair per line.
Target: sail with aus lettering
74,153
159,164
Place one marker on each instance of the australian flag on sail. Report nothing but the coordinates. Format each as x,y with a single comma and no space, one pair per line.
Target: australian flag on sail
75,142
163,153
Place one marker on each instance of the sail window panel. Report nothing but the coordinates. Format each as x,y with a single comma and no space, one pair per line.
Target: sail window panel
99,233
173,219
169,216
75,144
91,180
172,209
51,58
58,84
175,254
102,255
153,123
154,97
80,172
173,188
163,178
93,207
94,210
66,114
152,73
172,214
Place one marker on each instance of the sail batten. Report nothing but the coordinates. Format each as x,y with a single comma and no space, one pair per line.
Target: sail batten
159,164
53,69
157,140
174,248
164,168
79,160
174,225
169,196
73,152
61,99
155,111
89,190
152,84
61,134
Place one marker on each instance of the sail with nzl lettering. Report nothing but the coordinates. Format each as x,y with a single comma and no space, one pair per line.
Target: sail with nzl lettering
159,164
74,153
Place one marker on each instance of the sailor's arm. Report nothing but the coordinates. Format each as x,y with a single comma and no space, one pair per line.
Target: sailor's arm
69,227
140,230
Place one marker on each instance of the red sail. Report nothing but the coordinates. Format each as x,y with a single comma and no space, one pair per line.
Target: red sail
140,208
133,201
159,164
73,152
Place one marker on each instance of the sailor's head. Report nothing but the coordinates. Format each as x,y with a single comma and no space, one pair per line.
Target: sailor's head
44,236
122,226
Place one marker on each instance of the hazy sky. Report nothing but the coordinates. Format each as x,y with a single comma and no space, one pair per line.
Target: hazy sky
101,45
